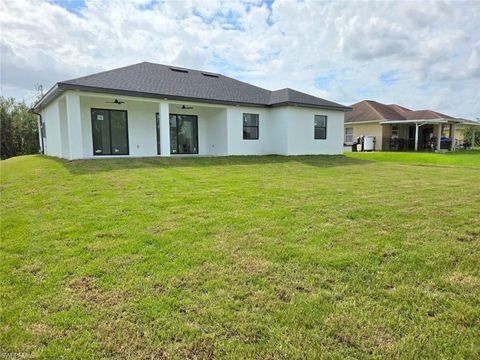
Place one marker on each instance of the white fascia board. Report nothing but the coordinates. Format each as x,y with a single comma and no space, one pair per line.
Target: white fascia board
361,122
422,121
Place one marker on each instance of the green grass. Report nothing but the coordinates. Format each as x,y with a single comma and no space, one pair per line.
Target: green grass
243,257
456,158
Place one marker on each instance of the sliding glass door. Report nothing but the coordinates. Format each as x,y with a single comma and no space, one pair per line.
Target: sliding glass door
183,134
109,132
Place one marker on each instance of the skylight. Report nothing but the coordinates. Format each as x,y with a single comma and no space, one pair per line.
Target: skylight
210,75
179,70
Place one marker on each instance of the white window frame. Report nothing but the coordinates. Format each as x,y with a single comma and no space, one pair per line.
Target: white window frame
348,142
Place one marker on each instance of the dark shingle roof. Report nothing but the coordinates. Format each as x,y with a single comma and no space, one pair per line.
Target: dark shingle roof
290,96
369,110
155,80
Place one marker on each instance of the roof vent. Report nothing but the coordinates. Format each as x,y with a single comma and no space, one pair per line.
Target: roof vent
210,75
179,70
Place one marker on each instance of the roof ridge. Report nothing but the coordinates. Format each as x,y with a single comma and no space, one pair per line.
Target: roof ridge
373,108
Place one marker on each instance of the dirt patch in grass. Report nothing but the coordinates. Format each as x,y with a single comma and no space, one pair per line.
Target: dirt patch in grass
458,278
40,328
361,334
163,227
202,348
283,295
87,290
469,236
122,338
35,269
253,266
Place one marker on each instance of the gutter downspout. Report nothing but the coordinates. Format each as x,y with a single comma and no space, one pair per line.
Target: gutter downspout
40,130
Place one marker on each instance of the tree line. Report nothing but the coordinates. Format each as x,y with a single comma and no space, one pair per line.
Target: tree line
18,129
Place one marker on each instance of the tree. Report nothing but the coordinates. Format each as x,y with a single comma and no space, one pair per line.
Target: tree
469,133
18,129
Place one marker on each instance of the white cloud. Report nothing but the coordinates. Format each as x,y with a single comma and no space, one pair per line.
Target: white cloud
433,47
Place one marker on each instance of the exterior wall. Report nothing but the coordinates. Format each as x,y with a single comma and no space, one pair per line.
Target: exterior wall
301,125
236,144
212,128
62,104
373,129
142,136
459,132
280,130
286,130
53,140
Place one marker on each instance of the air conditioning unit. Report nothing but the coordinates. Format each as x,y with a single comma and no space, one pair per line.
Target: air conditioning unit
368,143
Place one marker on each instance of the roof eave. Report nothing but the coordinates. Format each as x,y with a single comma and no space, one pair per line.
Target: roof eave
414,121
328,107
94,89
353,122
46,99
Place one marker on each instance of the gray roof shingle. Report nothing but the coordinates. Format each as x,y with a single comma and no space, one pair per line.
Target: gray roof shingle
155,80
291,96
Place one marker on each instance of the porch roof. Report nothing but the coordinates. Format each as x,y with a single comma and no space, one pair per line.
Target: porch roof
432,121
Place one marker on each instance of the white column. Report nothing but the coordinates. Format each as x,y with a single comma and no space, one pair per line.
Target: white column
473,137
416,136
452,136
75,138
439,136
164,114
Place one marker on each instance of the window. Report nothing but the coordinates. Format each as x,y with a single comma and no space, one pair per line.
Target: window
394,132
250,126
320,127
109,132
348,135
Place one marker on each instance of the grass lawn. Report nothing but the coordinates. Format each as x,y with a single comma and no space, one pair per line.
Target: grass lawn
456,158
241,257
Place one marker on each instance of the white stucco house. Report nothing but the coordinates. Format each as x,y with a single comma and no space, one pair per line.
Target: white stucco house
149,109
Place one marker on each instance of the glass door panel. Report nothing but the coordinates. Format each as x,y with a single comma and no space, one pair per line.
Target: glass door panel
118,131
101,132
109,132
187,134
173,134
183,134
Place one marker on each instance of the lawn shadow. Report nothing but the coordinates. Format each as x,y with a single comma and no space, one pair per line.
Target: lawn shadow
82,167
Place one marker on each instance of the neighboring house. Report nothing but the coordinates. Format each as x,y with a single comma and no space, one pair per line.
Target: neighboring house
149,109
397,128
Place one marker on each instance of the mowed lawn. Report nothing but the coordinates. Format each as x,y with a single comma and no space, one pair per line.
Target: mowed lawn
241,257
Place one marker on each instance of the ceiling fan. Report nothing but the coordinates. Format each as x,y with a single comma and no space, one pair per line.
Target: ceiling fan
115,102
186,107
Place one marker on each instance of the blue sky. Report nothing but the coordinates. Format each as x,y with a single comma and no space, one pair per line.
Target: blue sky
73,6
417,54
